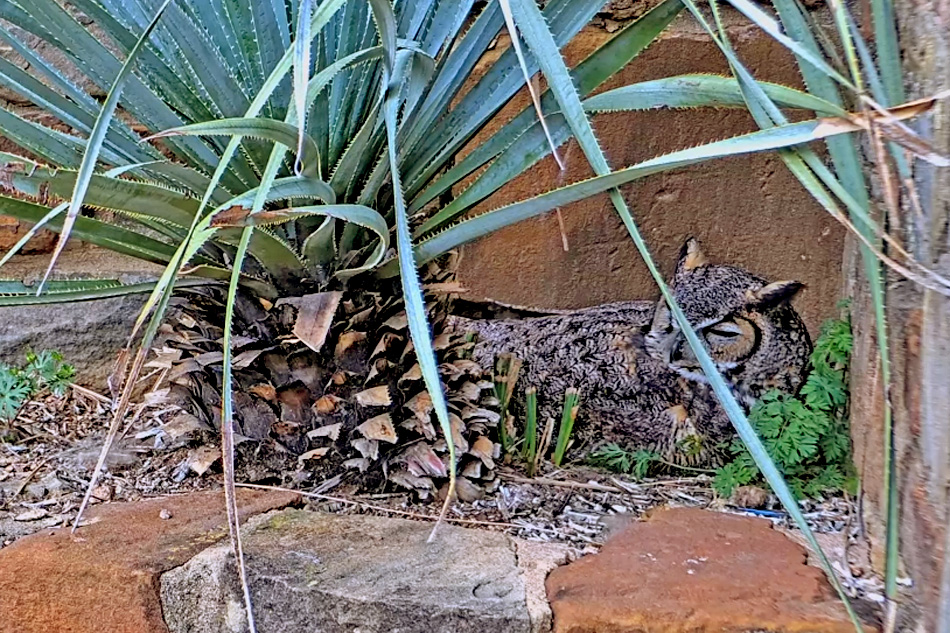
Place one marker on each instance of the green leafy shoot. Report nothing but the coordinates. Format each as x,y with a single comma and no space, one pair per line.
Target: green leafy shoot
529,450
44,371
806,435
616,458
566,428
49,370
507,369
14,391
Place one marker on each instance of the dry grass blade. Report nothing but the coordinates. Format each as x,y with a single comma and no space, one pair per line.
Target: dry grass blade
117,417
545,442
375,508
888,180
561,483
890,121
227,450
89,393
532,88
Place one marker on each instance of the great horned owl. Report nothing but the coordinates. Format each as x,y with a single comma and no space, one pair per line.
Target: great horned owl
640,384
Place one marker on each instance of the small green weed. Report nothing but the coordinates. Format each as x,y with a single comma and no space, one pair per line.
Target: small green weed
807,435
618,459
45,370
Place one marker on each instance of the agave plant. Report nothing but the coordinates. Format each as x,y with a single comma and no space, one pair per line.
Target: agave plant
288,146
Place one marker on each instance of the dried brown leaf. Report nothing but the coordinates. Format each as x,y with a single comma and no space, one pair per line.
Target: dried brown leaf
458,430
468,391
182,425
468,491
326,404
398,322
360,317
360,463
421,405
368,448
164,358
314,316
201,459
379,428
414,373
417,426
449,372
473,470
421,460
316,453
186,366
209,358
385,341
379,365
244,359
483,448
264,390
375,397
469,367
331,431
442,341
471,413
410,481
348,340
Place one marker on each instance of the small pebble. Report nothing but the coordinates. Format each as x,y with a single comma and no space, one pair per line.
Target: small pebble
103,492
164,514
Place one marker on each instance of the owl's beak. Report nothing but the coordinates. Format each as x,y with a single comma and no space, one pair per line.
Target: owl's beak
677,352
670,348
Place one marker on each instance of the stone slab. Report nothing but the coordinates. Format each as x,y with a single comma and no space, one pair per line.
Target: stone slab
89,334
329,573
105,577
695,571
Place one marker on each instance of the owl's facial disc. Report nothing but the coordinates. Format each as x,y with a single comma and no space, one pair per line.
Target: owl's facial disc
729,341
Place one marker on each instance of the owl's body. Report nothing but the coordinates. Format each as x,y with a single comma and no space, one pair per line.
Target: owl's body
639,384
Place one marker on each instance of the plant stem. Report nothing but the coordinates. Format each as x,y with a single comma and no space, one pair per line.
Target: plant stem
507,368
530,449
568,415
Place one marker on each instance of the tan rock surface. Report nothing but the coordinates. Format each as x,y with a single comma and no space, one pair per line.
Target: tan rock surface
689,570
105,577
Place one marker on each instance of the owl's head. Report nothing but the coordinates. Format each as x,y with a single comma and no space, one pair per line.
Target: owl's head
750,329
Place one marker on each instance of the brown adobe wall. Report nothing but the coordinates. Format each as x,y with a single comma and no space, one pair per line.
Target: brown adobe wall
746,210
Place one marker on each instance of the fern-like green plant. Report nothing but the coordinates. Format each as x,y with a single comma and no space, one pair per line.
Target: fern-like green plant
805,434
616,458
46,370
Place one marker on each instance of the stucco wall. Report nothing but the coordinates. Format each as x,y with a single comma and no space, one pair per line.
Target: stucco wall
746,210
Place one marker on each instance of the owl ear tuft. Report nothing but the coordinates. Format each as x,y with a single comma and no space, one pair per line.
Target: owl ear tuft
691,257
774,293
